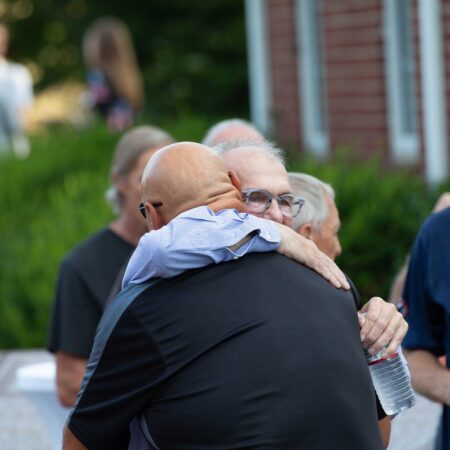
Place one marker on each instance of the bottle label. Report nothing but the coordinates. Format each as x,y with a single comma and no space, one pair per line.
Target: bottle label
375,359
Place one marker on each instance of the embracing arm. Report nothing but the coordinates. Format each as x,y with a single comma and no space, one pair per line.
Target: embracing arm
199,237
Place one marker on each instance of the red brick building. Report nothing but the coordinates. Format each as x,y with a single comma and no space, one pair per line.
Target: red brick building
372,75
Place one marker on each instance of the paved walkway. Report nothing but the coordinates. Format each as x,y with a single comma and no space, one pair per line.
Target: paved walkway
22,428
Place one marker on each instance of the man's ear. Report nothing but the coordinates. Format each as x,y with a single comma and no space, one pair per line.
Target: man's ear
153,217
235,181
305,230
119,183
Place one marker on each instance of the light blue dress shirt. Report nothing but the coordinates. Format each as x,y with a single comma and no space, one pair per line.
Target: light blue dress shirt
197,238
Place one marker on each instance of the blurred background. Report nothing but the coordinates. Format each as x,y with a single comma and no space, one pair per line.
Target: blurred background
342,86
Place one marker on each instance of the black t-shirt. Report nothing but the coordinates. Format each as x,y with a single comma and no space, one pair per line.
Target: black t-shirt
85,279
260,353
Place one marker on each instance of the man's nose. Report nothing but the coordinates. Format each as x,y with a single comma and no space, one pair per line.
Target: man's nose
274,212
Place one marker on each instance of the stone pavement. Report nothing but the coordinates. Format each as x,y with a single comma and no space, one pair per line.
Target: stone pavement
22,428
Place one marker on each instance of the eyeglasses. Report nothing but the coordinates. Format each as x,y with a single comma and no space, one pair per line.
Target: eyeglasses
259,200
142,207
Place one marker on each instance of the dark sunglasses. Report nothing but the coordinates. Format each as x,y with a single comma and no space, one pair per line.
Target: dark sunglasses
142,207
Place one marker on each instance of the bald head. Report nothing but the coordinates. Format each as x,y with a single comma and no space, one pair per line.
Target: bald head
232,130
185,175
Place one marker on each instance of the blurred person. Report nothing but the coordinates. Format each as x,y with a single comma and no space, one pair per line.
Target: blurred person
395,295
250,374
231,130
16,98
91,273
319,220
426,306
115,88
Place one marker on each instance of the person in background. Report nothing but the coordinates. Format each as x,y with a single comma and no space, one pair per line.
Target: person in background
91,273
395,295
427,307
115,88
319,220
231,130
16,98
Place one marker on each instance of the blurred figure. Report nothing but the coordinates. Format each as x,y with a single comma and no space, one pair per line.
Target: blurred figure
395,295
91,273
114,79
232,130
319,219
16,97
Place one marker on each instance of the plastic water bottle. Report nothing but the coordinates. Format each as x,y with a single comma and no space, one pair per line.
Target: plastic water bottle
391,382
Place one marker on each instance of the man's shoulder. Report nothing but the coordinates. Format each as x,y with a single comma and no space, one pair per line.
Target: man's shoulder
435,227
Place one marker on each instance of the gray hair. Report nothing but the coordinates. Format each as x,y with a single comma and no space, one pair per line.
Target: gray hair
213,132
128,150
313,191
266,147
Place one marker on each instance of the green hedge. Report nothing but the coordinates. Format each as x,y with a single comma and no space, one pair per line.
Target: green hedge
55,198
381,212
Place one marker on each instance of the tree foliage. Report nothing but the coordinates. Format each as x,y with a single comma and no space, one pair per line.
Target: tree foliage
192,54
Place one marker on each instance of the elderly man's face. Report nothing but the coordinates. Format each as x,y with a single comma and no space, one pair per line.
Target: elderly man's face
262,172
327,239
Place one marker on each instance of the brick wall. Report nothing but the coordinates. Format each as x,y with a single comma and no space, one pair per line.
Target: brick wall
283,60
355,78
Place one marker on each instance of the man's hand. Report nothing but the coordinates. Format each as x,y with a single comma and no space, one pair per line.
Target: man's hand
382,326
303,250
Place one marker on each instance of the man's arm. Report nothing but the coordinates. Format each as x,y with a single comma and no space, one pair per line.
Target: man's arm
385,430
430,377
70,441
199,237
69,374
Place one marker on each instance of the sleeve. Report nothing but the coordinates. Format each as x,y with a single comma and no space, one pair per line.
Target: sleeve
122,375
189,242
424,315
75,314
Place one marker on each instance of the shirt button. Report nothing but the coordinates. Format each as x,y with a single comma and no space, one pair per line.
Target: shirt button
235,257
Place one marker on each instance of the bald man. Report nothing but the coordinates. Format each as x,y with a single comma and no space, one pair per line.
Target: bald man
232,130
209,360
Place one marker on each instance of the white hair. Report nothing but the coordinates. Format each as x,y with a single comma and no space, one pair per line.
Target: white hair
266,147
211,136
314,192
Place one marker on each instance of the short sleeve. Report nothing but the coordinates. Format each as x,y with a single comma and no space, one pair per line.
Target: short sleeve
75,314
424,315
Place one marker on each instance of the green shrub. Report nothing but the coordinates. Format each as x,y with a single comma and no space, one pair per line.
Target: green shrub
381,212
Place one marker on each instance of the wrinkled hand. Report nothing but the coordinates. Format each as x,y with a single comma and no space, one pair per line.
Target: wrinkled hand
382,326
302,250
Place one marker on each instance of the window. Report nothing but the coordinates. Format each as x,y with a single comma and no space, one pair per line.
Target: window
400,73
311,71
